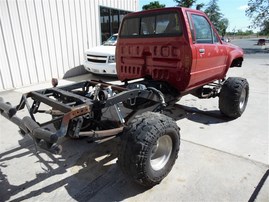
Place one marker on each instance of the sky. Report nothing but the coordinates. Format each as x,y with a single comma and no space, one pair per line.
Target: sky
233,10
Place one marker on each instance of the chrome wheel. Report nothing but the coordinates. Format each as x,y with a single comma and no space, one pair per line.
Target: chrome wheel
161,152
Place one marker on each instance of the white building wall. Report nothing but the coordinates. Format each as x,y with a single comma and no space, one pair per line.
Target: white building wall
42,39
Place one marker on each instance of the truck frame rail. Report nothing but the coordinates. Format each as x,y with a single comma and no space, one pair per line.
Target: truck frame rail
71,106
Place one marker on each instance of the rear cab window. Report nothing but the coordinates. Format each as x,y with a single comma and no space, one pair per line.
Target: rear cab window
153,25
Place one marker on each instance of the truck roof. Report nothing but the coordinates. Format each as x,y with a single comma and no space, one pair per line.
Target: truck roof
167,9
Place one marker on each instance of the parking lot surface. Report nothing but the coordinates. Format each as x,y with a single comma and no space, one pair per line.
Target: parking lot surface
219,159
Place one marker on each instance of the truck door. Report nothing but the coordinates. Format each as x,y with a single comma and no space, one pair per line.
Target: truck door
210,53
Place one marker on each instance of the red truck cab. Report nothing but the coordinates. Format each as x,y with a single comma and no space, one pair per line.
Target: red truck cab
177,45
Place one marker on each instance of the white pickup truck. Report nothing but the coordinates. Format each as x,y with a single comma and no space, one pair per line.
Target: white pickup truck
101,59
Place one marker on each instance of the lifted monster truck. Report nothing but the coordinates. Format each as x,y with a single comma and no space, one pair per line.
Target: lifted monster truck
174,52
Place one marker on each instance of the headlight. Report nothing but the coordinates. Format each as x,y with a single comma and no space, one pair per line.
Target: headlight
111,59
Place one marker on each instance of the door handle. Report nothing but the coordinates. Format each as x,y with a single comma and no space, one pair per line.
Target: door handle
202,50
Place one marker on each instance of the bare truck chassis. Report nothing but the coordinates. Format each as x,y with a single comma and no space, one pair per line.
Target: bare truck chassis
74,106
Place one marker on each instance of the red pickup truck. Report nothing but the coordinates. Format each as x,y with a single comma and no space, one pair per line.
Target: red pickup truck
181,47
177,45
173,52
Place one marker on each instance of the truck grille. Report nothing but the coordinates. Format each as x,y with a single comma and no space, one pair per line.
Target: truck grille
97,58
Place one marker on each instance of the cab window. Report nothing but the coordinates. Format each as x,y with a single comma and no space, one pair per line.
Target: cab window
167,24
147,25
130,27
202,29
163,24
215,37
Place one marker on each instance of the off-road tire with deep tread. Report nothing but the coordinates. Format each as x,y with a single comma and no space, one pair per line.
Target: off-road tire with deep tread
137,142
233,97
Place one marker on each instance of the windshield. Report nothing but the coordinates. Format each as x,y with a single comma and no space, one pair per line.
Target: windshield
111,41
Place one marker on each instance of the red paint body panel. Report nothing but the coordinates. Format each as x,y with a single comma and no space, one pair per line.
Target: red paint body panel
176,59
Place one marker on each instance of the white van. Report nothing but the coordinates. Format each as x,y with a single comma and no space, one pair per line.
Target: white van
101,59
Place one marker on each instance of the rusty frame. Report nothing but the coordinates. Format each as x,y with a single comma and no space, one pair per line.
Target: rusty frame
69,102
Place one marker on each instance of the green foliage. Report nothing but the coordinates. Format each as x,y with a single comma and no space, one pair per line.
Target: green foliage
213,12
265,28
216,17
185,3
223,25
240,33
153,5
258,11
189,3
244,33
199,6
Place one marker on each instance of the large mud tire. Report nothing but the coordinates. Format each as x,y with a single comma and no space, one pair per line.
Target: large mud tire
149,148
233,97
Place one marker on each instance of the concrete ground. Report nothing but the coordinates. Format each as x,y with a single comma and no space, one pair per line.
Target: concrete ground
219,160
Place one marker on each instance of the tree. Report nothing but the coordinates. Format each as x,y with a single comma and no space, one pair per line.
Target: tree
223,25
258,11
189,3
240,32
216,17
199,6
265,28
213,12
153,5
185,3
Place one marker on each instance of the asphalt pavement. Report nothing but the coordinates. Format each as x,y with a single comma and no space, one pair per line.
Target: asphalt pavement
219,159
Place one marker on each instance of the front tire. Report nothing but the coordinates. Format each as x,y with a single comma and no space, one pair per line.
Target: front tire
233,97
149,148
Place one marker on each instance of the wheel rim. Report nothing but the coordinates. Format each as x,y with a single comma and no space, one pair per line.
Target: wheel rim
161,152
242,99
